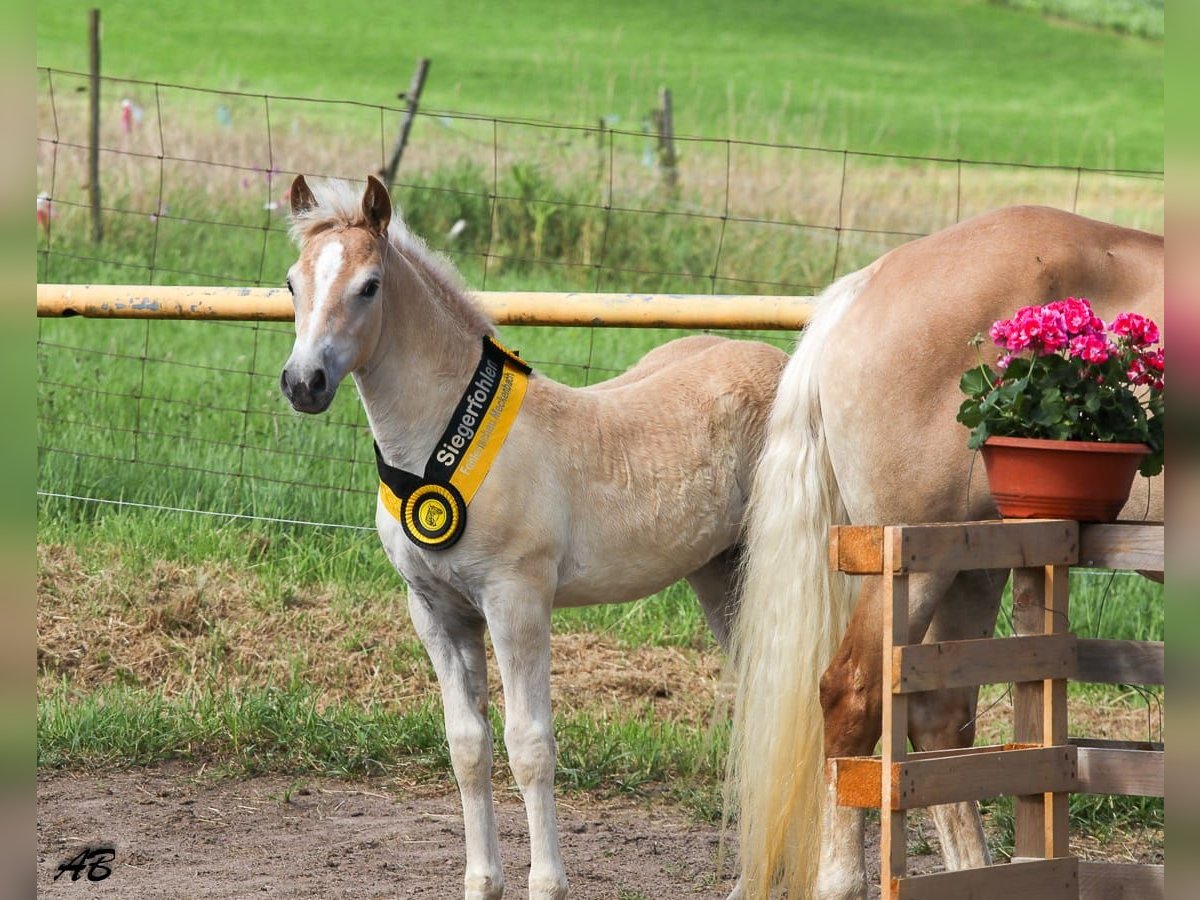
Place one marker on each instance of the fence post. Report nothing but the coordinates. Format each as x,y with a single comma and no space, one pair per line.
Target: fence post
667,159
601,155
94,113
412,98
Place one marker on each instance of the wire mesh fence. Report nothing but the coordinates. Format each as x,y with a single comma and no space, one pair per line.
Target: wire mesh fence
193,189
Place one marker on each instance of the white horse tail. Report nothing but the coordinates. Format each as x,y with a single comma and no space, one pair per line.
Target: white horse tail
793,613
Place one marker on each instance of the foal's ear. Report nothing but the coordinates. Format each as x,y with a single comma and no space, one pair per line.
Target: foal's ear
301,196
377,205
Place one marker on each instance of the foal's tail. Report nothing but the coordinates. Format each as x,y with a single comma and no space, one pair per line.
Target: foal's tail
793,614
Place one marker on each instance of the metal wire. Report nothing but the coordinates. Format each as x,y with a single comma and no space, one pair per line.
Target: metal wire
140,400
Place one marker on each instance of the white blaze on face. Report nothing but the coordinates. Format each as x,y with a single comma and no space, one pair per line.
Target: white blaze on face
325,273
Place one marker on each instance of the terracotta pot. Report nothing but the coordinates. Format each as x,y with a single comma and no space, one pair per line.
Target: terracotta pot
1034,478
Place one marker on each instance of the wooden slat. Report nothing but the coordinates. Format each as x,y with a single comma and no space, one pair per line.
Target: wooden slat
987,545
1121,662
1054,711
857,779
1121,881
1122,546
1003,773
856,549
950,664
1105,744
893,839
1136,773
1029,618
1042,879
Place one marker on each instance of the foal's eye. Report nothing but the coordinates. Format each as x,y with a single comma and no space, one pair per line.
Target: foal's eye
369,289
291,290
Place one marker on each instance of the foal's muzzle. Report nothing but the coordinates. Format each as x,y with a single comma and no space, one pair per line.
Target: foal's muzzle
310,393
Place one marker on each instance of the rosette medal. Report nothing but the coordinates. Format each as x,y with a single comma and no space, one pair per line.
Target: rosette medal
432,509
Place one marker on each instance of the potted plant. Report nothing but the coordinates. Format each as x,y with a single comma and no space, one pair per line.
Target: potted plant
1072,409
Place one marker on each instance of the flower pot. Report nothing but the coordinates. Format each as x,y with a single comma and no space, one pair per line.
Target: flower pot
1035,478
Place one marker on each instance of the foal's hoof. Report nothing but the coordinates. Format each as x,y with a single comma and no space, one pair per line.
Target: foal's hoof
484,889
548,888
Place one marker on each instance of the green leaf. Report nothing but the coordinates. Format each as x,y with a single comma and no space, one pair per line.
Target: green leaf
976,382
970,413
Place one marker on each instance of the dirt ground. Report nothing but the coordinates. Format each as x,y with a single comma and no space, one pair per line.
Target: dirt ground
178,833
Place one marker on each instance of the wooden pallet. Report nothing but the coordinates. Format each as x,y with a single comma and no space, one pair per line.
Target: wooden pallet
1042,767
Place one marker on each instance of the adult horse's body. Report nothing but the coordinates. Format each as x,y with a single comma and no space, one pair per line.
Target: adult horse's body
863,430
598,495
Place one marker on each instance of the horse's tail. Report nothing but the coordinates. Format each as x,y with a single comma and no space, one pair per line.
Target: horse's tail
793,613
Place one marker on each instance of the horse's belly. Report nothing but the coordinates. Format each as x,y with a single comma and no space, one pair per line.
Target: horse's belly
589,591
638,570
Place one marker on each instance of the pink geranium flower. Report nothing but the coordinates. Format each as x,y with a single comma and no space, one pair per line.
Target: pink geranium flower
1077,315
1138,329
1063,374
1091,348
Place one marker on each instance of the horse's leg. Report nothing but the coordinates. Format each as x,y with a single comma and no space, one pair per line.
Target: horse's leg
715,584
454,642
519,621
946,719
852,702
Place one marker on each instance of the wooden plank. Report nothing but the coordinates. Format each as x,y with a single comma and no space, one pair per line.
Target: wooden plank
1029,813
1121,881
1041,879
1121,662
1130,773
930,782
857,779
856,549
1054,711
1105,744
893,840
951,664
987,545
1122,546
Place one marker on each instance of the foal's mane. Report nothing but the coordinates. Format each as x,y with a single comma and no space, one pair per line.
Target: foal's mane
339,207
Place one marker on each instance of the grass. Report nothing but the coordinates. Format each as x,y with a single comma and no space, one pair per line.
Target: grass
244,664
288,731
956,78
1144,18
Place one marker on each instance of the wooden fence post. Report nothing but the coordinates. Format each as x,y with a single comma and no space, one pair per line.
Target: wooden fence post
601,149
412,98
94,124
667,158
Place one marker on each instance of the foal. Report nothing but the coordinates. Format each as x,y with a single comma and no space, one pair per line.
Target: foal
574,496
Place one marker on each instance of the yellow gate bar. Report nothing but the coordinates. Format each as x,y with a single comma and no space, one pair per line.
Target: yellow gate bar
724,311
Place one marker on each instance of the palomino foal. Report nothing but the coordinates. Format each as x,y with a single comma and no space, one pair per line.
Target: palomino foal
597,495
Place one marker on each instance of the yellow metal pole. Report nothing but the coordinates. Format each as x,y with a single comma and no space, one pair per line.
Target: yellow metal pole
722,311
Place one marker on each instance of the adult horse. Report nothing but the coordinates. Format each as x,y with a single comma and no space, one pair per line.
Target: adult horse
863,430
535,495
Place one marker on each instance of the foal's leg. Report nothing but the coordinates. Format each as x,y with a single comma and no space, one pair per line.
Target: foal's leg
946,719
715,584
453,638
519,622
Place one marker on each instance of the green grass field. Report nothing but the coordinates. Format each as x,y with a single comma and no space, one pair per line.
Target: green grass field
189,415
956,78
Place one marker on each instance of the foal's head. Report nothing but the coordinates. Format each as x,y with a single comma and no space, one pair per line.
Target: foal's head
336,287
